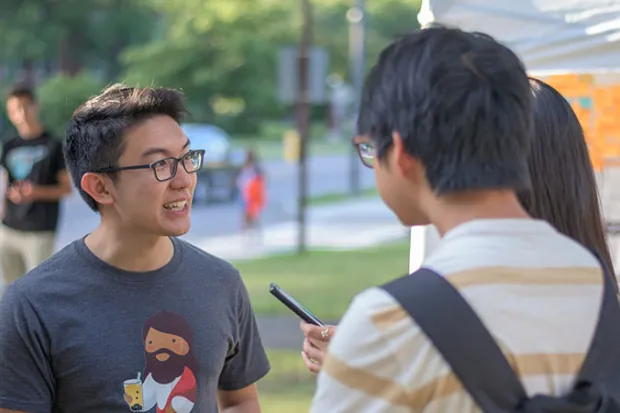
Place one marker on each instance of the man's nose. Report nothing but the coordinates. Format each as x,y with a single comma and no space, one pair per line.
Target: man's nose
182,179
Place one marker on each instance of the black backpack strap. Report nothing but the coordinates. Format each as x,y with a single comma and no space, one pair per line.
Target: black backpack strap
603,358
460,336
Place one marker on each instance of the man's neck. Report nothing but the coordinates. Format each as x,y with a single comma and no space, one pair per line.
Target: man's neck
30,130
450,211
129,251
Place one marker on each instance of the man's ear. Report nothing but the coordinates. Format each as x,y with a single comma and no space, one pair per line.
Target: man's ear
406,165
99,187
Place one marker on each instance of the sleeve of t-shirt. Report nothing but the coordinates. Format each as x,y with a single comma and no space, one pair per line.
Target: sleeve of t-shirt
26,376
248,362
2,155
58,158
364,370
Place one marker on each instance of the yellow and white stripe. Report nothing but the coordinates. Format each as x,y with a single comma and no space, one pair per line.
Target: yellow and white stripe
537,292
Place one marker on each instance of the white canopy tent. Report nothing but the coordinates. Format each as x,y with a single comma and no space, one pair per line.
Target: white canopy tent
550,36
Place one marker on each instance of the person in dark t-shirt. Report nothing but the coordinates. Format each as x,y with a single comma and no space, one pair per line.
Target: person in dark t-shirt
35,180
130,318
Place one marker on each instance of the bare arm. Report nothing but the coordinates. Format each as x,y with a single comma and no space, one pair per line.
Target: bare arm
237,401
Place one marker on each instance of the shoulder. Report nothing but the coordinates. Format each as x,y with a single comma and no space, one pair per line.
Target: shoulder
192,252
206,263
56,145
377,340
51,137
547,249
373,328
58,271
11,143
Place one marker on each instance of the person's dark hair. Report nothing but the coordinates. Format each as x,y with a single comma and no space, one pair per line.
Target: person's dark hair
251,157
95,133
21,90
462,104
564,191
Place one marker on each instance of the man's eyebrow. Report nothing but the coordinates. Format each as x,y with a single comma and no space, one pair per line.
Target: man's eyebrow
154,151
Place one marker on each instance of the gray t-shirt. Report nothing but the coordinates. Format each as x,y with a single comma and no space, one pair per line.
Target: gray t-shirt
78,335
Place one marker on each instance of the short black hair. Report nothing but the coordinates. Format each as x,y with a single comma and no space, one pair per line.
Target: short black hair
95,134
21,90
461,102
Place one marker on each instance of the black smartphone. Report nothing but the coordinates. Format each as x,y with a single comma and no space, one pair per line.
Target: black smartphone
294,305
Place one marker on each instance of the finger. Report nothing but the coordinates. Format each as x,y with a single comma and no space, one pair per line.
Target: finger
325,335
307,346
315,332
313,367
318,343
310,329
313,353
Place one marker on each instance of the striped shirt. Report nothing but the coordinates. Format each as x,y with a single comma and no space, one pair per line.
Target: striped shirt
537,291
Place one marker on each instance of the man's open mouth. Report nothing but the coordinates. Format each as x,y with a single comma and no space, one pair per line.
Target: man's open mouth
176,206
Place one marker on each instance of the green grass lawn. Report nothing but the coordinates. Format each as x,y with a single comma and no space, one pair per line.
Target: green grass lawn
274,150
289,386
269,142
335,197
323,281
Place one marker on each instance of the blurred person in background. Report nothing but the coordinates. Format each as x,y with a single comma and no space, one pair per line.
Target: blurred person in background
563,192
35,180
252,191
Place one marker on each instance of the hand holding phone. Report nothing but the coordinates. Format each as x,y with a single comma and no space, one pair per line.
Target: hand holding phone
286,299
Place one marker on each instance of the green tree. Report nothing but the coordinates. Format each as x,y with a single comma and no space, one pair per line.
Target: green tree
71,34
222,53
60,95
386,19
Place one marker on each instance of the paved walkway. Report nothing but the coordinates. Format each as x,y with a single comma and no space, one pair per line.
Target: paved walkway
353,224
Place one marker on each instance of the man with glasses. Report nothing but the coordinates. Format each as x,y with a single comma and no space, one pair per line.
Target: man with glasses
446,124
130,318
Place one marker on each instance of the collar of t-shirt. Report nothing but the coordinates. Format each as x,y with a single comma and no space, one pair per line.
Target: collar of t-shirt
496,226
42,135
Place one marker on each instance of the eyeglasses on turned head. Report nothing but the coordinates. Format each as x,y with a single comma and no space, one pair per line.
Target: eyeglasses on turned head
166,169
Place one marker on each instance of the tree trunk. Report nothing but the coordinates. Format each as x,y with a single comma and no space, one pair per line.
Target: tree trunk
69,54
27,73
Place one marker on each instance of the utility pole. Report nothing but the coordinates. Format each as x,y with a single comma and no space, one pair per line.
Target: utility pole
356,16
303,120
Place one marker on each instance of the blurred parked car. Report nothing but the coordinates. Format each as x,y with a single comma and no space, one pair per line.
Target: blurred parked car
222,162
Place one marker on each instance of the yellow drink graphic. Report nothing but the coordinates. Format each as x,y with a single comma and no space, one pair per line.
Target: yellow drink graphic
133,389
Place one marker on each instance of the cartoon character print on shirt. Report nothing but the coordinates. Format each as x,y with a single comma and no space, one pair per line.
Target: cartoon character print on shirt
20,161
168,382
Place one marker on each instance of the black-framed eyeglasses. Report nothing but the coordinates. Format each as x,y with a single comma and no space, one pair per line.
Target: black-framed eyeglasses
166,169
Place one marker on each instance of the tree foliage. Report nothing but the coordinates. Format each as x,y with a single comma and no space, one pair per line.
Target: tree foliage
60,95
221,53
